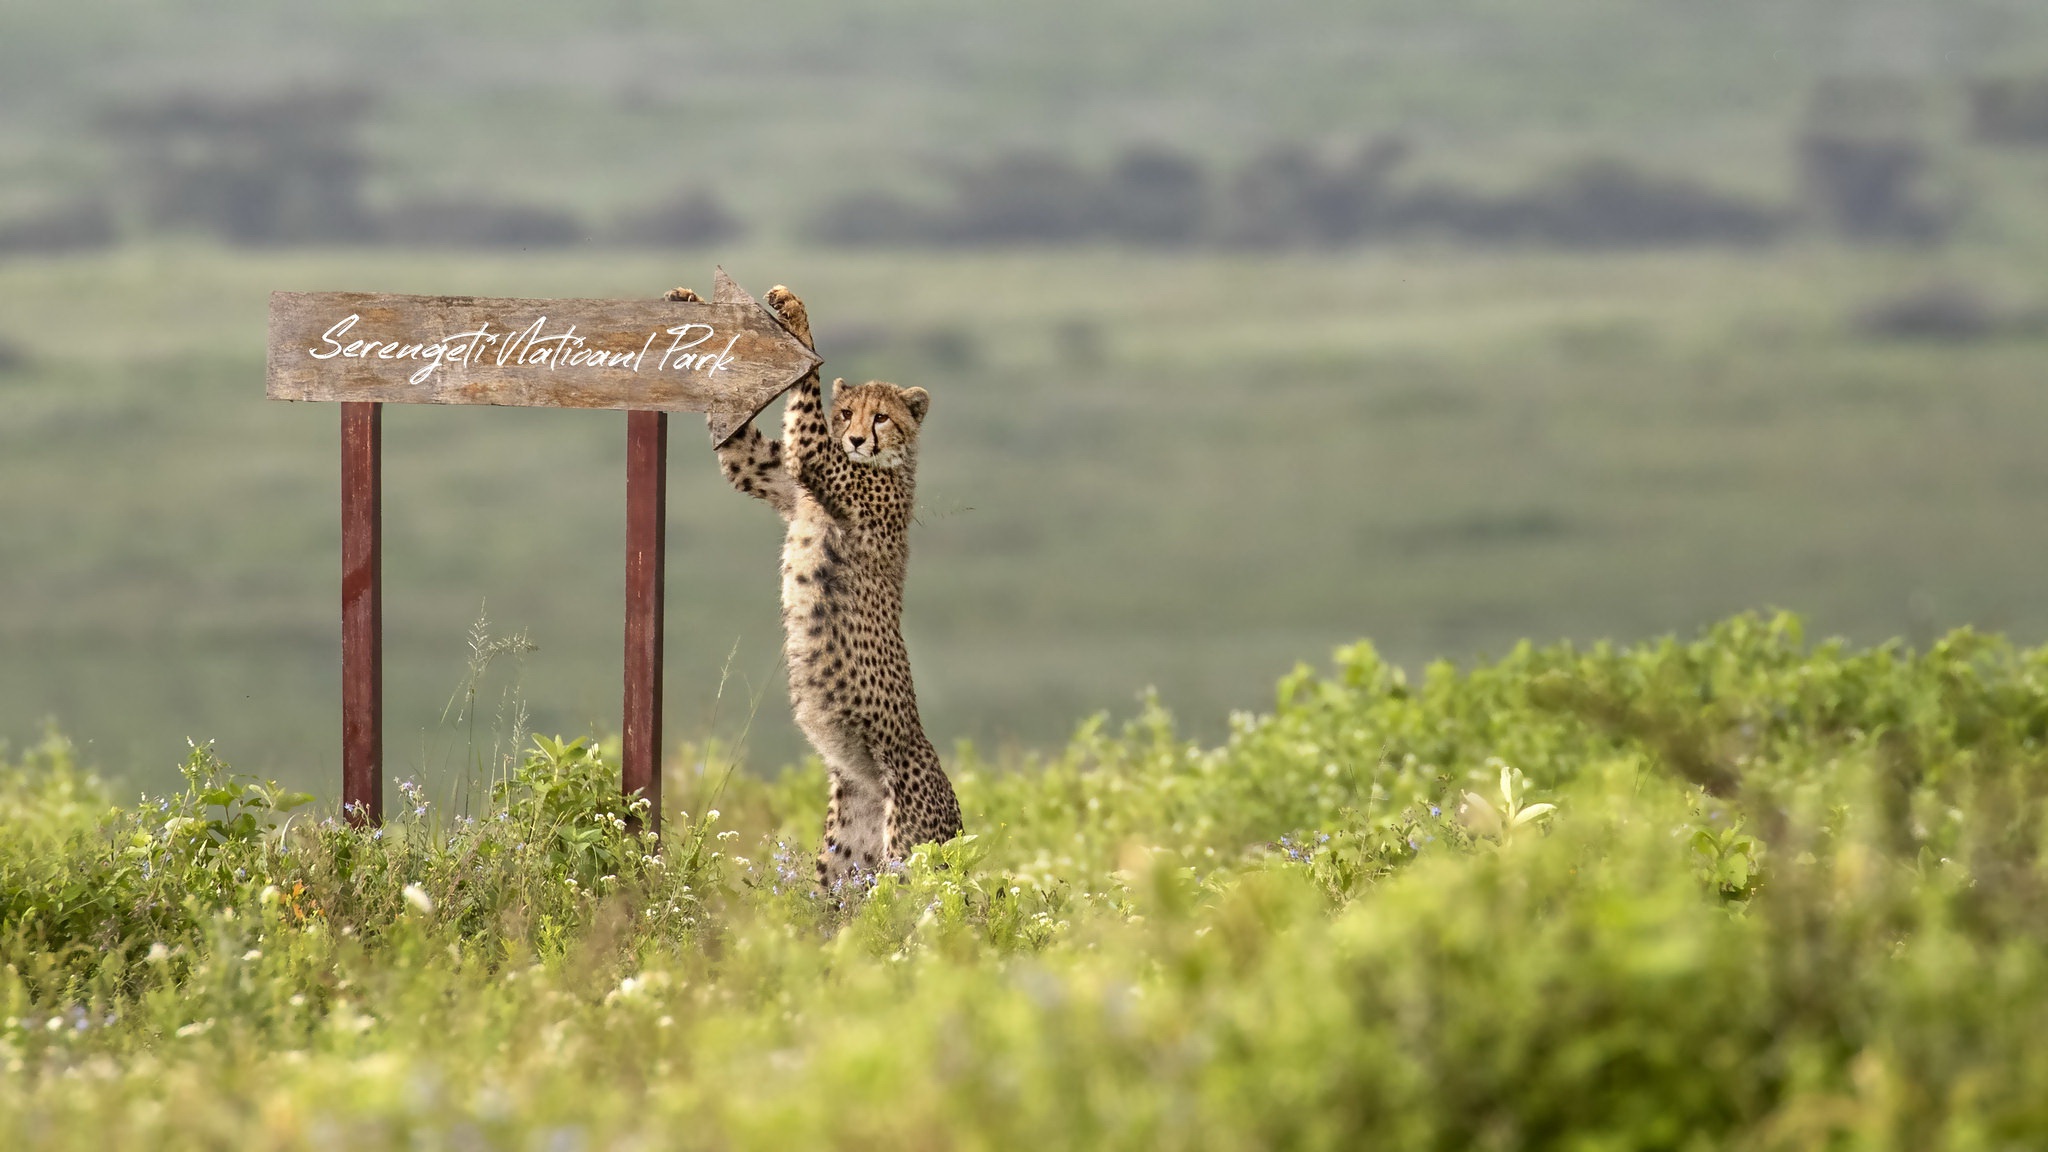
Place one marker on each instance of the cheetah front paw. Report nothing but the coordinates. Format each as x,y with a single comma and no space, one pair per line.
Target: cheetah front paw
683,295
791,310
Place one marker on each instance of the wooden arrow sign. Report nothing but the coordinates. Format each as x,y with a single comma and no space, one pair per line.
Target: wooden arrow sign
728,358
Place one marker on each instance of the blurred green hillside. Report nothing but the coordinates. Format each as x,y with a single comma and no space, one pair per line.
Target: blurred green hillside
1186,472
602,105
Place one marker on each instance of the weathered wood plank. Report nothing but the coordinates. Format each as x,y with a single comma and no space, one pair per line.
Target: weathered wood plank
729,358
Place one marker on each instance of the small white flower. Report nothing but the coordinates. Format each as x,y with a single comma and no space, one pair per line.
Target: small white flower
158,953
252,954
418,898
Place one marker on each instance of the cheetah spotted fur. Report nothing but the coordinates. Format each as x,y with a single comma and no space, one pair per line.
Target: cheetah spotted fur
844,482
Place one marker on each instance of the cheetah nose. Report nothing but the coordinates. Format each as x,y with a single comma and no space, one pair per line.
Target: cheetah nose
856,441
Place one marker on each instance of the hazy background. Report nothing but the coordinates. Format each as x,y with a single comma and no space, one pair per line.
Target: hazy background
1252,330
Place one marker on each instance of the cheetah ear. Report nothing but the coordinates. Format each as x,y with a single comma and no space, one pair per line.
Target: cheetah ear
838,386
918,401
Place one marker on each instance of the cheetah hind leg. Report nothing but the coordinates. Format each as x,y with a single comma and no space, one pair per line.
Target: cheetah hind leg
856,823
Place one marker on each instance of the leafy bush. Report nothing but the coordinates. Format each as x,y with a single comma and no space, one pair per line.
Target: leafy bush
1741,891
85,890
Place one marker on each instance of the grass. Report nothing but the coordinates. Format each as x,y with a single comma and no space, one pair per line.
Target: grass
1238,460
1739,891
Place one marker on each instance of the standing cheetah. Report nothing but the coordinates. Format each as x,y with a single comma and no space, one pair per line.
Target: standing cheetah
845,486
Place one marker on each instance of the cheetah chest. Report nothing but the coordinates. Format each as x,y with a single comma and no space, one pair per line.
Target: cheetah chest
840,602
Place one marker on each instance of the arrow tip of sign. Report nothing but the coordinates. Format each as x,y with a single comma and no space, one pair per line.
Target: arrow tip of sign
724,291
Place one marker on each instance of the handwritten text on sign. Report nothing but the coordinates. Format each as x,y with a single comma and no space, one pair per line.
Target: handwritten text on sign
728,359
531,345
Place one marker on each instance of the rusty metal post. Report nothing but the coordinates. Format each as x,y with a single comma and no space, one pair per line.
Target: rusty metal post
362,612
646,530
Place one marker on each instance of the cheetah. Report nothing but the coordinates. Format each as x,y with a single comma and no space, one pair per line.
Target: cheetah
844,483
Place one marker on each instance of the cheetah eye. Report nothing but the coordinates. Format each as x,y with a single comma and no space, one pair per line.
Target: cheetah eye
881,419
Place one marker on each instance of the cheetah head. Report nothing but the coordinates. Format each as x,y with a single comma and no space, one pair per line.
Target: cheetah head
876,422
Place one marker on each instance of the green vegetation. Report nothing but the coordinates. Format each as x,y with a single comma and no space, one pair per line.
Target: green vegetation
1735,892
